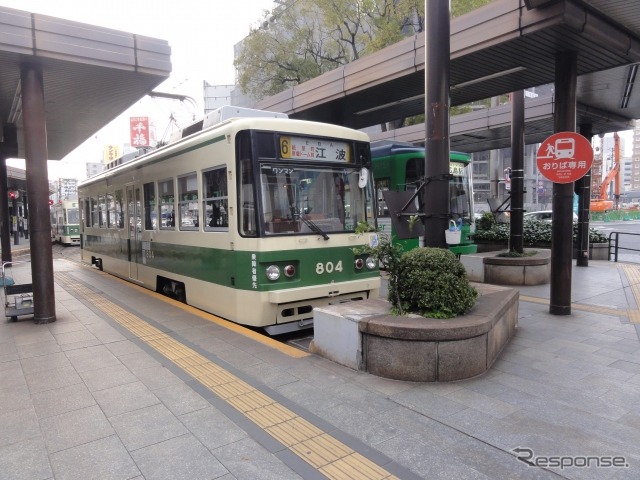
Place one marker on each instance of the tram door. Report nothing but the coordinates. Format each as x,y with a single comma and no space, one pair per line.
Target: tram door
135,229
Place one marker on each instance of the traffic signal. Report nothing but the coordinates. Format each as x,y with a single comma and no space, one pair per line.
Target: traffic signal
50,202
13,194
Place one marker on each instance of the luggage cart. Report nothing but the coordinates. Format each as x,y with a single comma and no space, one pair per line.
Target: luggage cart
18,297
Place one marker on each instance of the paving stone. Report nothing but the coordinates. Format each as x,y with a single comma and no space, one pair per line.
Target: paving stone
75,428
247,460
147,426
61,400
125,398
178,458
104,459
105,378
25,460
212,428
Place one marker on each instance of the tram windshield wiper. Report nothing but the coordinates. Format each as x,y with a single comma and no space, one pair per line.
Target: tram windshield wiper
312,226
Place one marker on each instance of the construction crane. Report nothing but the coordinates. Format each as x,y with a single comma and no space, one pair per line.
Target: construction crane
601,202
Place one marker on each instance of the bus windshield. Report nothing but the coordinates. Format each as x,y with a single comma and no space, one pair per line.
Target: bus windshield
305,199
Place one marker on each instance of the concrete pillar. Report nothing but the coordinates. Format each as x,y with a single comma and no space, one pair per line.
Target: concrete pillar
436,104
35,144
5,234
562,202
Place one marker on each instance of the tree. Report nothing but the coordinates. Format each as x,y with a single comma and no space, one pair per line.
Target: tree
310,37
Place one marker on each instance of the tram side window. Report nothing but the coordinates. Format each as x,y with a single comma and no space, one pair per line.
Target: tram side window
87,213
102,211
167,207
150,206
95,217
111,214
188,201
119,203
215,204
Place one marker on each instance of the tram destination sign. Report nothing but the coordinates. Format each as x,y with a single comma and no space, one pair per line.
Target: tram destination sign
301,148
564,157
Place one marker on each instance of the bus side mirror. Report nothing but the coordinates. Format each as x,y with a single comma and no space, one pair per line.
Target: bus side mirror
364,177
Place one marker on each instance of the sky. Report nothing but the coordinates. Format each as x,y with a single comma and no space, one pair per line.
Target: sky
201,34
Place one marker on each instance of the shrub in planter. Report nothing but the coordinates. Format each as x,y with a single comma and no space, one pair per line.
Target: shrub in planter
534,233
486,221
433,283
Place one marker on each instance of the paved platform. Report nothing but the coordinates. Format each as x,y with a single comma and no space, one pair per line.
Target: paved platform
129,385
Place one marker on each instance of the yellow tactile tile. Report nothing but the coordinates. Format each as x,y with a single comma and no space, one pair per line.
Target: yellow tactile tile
321,450
250,401
232,389
294,431
215,379
270,415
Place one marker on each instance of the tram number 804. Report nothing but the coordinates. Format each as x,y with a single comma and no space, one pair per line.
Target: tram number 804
328,267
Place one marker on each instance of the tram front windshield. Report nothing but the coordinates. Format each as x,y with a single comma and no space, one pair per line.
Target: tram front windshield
73,216
303,199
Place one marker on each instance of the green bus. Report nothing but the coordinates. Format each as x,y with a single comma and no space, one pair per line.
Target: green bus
399,166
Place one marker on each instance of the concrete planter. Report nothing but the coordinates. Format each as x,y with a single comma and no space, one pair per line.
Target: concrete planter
489,268
597,251
364,336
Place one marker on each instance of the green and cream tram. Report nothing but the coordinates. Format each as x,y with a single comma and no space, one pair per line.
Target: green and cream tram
65,222
252,219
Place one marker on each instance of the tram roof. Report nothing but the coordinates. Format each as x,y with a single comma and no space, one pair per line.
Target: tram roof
91,74
385,148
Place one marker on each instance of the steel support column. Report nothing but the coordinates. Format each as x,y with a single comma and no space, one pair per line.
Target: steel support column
35,144
583,190
562,202
5,234
517,172
436,104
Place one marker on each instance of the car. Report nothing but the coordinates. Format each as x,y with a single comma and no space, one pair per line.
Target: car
544,216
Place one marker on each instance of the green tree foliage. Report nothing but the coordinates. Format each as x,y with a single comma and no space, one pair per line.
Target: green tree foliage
460,7
311,37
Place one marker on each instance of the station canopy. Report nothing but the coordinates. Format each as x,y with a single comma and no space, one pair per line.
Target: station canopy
90,74
503,47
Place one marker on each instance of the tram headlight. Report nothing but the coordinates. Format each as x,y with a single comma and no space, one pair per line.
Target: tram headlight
273,272
289,271
371,263
359,263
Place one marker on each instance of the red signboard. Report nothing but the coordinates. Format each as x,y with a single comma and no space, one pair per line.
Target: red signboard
564,157
139,130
